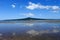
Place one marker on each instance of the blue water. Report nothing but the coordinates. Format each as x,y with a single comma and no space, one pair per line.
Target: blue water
21,28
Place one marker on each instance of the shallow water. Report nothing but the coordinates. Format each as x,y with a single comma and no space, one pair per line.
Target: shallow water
29,30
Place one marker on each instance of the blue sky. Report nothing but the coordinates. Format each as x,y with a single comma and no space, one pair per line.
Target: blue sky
14,9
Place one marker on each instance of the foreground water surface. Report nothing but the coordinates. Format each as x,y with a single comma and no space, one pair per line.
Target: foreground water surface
30,31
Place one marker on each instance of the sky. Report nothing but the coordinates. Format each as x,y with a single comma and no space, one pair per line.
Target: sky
17,9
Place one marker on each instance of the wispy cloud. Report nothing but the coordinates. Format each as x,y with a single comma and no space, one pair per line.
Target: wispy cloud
55,11
33,6
13,5
28,14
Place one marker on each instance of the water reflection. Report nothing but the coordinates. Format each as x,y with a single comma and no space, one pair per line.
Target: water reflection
1,34
34,32
29,31
13,33
28,24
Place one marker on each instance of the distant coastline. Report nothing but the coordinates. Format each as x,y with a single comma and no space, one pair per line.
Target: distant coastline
30,20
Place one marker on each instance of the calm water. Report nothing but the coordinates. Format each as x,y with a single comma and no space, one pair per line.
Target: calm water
30,31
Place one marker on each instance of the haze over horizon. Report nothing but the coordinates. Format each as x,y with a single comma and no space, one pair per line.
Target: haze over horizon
15,9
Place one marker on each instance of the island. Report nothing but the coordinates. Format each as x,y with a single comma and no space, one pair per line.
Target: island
30,20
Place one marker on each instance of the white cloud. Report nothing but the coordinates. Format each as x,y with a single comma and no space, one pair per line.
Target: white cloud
55,11
13,5
33,6
29,14
55,7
